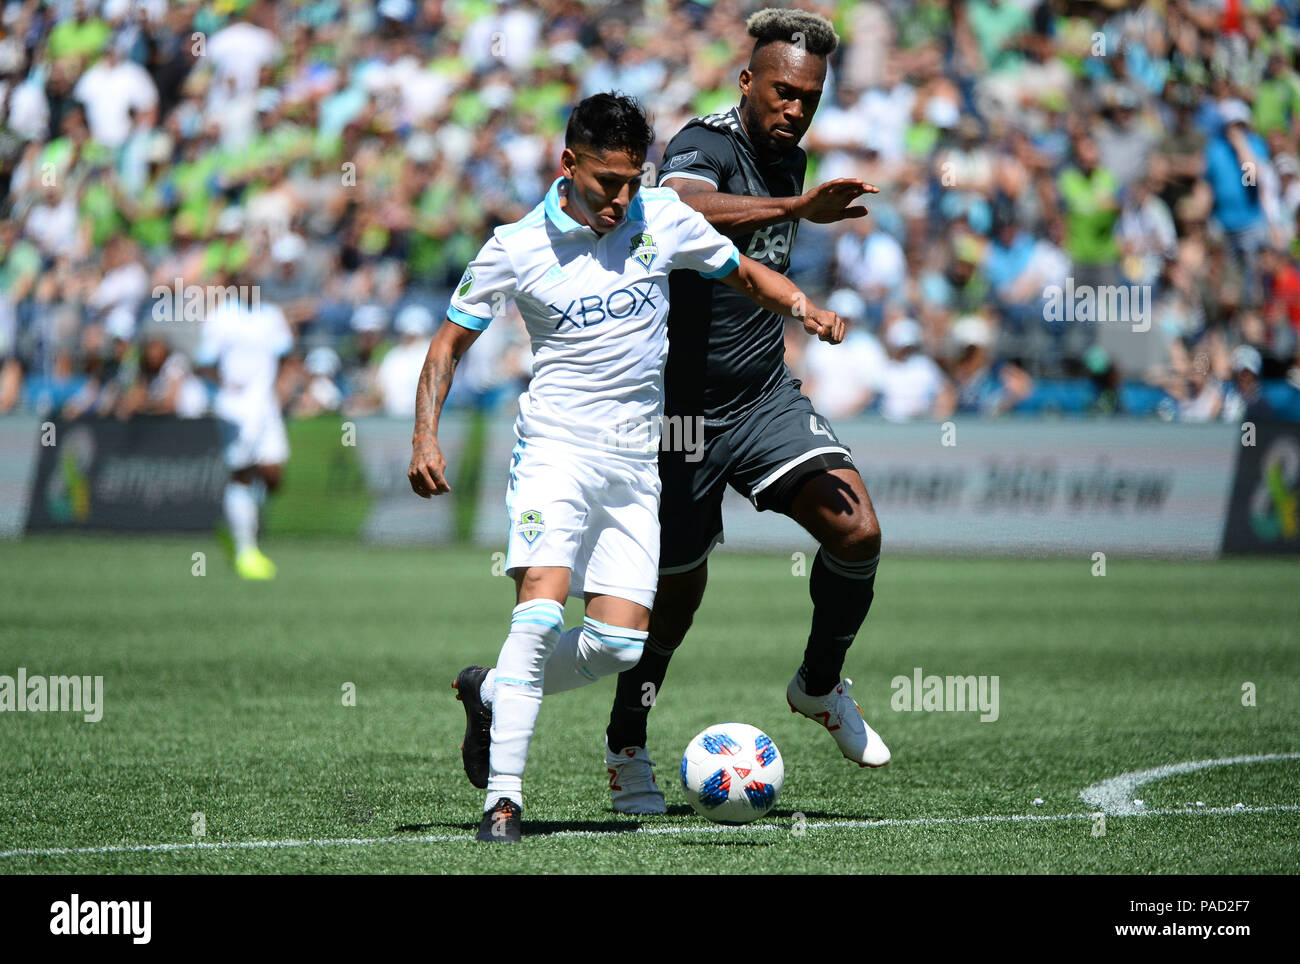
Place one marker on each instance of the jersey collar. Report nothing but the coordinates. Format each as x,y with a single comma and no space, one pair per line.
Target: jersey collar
566,224
556,213
732,122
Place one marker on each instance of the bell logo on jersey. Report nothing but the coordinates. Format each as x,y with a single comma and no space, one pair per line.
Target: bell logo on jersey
466,282
772,244
643,249
593,309
530,525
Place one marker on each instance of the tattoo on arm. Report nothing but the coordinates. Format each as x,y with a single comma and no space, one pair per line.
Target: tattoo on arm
435,381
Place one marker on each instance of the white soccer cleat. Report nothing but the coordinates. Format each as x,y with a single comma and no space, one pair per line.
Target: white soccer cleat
632,784
839,712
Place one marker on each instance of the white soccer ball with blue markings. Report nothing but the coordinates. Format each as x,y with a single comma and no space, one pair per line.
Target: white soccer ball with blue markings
732,773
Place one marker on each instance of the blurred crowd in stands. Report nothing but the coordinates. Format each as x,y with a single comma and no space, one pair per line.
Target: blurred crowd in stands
346,158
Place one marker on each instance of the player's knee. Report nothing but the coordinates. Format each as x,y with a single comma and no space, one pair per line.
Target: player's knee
856,542
271,477
625,657
668,629
607,650
670,635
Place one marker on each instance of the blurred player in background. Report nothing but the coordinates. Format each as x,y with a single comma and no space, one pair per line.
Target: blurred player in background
588,270
242,345
743,170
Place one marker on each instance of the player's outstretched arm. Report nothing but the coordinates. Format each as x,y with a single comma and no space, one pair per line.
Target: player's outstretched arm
737,214
775,292
427,472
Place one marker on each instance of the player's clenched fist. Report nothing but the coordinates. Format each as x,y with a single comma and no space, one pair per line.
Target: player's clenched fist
428,468
826,325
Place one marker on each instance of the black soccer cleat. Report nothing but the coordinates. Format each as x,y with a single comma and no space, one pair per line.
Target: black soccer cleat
474,752
501,824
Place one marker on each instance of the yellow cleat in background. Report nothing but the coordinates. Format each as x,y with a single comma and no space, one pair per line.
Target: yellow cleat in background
251,564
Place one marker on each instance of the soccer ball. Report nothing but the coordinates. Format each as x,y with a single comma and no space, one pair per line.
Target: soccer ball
732,773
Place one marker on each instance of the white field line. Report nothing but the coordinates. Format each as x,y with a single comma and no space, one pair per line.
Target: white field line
1114,797
673,831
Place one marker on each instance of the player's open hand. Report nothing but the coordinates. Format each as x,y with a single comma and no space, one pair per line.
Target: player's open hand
833,201
427,473
826,325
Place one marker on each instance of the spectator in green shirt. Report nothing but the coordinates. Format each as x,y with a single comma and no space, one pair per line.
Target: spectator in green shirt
1090,193
81,38
996,24
1277,99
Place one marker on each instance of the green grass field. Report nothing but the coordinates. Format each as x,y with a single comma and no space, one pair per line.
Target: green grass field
225,699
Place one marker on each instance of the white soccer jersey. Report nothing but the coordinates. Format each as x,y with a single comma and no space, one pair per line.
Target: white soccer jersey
246,345
596,309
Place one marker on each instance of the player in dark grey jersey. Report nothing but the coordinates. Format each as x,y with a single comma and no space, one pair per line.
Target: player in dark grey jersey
743,170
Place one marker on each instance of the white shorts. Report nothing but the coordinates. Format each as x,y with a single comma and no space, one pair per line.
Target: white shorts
254,437
595,513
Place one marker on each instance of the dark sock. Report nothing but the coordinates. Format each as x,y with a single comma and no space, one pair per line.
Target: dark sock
632,700
841,594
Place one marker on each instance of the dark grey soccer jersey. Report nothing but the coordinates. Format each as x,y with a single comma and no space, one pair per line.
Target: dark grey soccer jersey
725,354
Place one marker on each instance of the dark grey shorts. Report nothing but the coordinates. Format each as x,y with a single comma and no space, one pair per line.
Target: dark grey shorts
766,458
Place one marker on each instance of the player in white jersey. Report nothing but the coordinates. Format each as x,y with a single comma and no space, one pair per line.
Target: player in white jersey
244,341
588,270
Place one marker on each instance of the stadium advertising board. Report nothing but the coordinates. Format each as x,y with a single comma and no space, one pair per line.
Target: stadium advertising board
149,473
1001,487
18,455
1053,488
397,515
1264,515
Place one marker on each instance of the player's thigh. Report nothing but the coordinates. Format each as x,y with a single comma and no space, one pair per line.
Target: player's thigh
239,445
542,582
676,600
782,444
690,505
546,508
620,549
252,433
271,447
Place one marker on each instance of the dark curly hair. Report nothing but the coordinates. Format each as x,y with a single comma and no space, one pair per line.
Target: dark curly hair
809,30
610,121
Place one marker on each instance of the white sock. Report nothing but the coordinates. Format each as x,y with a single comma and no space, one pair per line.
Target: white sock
240,505
517,694
586,653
